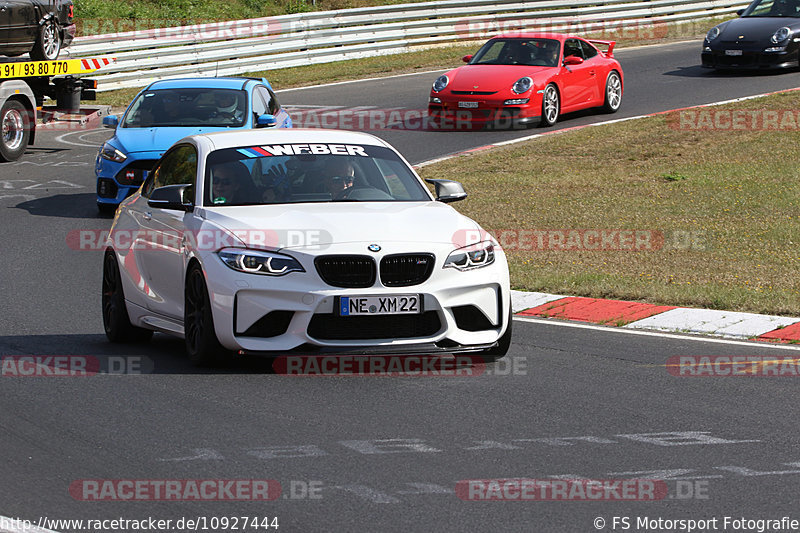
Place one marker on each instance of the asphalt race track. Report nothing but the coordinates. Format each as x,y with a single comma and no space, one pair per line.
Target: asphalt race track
377,454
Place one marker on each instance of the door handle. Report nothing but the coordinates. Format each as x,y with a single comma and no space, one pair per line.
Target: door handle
591,73
147,215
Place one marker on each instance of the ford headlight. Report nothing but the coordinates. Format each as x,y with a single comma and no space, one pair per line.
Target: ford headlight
472,256
522,85
440,83
258,262
108,151
781,35
712,34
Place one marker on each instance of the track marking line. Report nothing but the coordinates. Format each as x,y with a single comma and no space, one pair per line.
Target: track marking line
676,336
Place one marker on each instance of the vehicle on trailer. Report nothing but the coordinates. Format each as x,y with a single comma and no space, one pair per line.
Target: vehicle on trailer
40,28
529,78
301,239
168,110
23,88
765,36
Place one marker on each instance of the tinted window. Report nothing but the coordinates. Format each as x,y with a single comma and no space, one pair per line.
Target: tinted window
572,48
589,51
269,97
770,8
177,167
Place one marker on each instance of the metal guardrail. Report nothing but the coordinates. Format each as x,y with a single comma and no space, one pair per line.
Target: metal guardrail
236,47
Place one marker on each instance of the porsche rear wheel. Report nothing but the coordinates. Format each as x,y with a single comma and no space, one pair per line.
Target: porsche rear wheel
613,93
551,106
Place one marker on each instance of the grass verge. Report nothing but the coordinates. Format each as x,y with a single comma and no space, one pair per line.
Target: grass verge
721,186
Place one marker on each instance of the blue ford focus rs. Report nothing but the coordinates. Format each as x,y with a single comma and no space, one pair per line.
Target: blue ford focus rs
169,110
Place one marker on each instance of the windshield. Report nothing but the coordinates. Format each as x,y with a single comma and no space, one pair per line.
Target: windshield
293,173
773,8
533,52
187,107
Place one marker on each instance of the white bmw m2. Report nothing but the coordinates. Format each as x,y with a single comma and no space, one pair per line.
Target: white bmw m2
318,241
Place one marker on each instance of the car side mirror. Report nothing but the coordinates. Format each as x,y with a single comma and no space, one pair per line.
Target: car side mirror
171,197
739,12
466,59
573,60
448,191
266,121
110,121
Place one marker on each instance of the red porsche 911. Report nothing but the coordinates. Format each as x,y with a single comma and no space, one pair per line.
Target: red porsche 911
529,78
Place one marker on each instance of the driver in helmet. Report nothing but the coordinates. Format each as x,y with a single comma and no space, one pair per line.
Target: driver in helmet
227,104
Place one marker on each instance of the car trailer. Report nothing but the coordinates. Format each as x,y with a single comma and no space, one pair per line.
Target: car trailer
23,88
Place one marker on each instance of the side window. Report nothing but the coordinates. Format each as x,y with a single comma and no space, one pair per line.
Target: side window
177,167
269,98
259,106
589,51
572,48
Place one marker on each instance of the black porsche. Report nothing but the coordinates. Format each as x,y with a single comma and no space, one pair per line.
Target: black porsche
40,27
765,36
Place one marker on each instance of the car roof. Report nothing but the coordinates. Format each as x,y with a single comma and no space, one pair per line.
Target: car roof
202,83
262,136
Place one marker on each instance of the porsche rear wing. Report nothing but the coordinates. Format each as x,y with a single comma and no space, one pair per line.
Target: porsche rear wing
609,52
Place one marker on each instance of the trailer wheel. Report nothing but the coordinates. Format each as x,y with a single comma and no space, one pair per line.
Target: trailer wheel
48,42
16,130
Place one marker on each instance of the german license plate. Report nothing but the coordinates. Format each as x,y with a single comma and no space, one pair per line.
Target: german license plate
396,304
468,105
733,52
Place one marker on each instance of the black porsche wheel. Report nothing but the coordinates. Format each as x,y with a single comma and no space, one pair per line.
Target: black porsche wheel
202,346
116,321
48,42
551,106
613,93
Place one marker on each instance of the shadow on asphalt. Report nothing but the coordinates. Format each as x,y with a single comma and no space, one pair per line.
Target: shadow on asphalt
696,71
81,205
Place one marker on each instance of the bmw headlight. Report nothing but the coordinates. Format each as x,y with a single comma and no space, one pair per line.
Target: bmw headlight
712,34
258,262
522,85
781,35
472,256
108,151
440,83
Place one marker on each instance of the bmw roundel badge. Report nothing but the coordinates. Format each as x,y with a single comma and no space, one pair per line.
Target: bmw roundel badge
374,248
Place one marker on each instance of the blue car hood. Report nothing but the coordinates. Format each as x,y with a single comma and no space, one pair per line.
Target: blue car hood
132,140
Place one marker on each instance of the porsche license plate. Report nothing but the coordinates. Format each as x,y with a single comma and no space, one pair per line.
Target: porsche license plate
397,304
468,105
733,52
